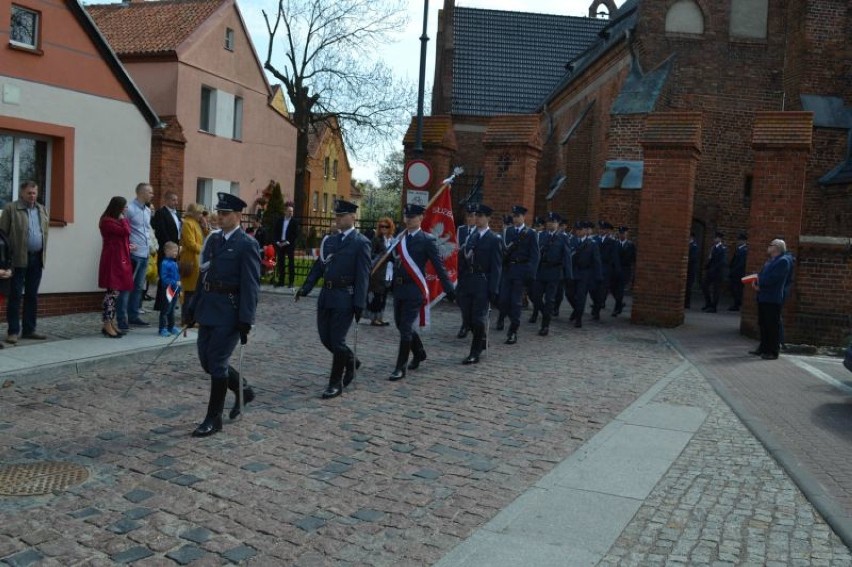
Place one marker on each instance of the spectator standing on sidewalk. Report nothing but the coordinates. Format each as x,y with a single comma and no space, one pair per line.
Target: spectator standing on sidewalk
115,273
167,224
169,280
139,216
380,282
191,240
284,235
770,286
25,223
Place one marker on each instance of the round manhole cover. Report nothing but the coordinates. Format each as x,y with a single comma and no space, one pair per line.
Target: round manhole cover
32,479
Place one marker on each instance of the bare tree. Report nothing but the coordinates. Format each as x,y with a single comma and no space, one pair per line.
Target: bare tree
330,69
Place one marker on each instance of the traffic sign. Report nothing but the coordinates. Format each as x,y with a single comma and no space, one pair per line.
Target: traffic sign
418,173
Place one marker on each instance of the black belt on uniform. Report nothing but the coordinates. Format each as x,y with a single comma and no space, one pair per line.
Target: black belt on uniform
339,283
519,261
218,287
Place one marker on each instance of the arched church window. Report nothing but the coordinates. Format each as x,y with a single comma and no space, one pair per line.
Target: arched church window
748,18
685,16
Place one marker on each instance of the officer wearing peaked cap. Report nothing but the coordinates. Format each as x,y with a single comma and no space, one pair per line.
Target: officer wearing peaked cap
554,266
224,307
463,233
410,292
627,258
520,266
587,271
480,263
344,265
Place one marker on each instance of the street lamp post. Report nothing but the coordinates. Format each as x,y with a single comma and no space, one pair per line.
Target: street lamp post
424,39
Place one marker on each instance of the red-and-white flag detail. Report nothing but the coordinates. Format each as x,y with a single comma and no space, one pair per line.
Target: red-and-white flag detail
170,293
438,221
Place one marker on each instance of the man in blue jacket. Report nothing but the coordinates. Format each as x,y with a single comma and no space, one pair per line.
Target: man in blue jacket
737,271
344,265
554,267
770,286
520,261
224,306
410,291
480,265
714,272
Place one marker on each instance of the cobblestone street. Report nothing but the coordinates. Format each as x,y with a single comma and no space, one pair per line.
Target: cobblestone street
389,473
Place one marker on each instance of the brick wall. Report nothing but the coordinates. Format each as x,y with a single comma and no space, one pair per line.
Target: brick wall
672,145
52,304
822,290
167,159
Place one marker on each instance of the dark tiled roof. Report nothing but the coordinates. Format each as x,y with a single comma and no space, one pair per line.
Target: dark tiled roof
507,62
610,34
150,28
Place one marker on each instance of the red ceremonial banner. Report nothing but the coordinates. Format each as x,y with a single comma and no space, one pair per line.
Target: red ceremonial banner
439,221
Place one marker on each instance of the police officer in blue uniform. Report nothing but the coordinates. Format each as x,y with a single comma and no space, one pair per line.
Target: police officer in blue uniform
480,265
520,261
627,258
411,253
737,271
462,234
610,267
714,273
587,271
344,265
224,307
554,267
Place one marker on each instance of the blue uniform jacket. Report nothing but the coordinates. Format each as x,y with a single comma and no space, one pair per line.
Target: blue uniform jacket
481,255
692,261
587,261
738,262
345,272
421,247
610,257
626,254
521,253
555,257
232,264
715,269
772,279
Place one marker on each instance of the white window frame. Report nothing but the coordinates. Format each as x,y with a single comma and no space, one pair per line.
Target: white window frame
229,39
36,34
43,192
235,188
203,188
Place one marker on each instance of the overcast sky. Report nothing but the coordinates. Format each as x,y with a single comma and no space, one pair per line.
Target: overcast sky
404,55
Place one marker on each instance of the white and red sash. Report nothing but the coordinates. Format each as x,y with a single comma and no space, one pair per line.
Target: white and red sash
418,278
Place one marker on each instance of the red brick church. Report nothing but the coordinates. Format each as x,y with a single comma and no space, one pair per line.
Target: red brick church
668,116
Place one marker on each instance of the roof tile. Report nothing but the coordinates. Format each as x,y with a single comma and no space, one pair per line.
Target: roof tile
150,28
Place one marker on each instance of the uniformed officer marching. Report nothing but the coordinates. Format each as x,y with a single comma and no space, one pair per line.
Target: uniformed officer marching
610,268
462,234
224,307
587,271
415,247
714,273
627,258
344,265
480,265
521,264
554,266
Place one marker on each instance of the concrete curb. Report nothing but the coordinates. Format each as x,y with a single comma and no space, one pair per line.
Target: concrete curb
51,373
806,482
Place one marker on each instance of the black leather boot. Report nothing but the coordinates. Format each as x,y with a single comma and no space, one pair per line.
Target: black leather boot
475,346
335,378
213,421
512,336
419,353
352,363
500,325
545,326
534,316
234,386
401,360
463,331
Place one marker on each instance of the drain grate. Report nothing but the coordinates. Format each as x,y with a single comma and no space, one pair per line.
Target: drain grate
33,479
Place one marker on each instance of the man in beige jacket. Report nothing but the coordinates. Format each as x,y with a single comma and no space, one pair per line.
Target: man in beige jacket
25,223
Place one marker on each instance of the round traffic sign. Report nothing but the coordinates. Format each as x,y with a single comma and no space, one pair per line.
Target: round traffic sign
418,173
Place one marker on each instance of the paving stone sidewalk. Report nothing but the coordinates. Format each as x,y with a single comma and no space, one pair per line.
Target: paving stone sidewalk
389,474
